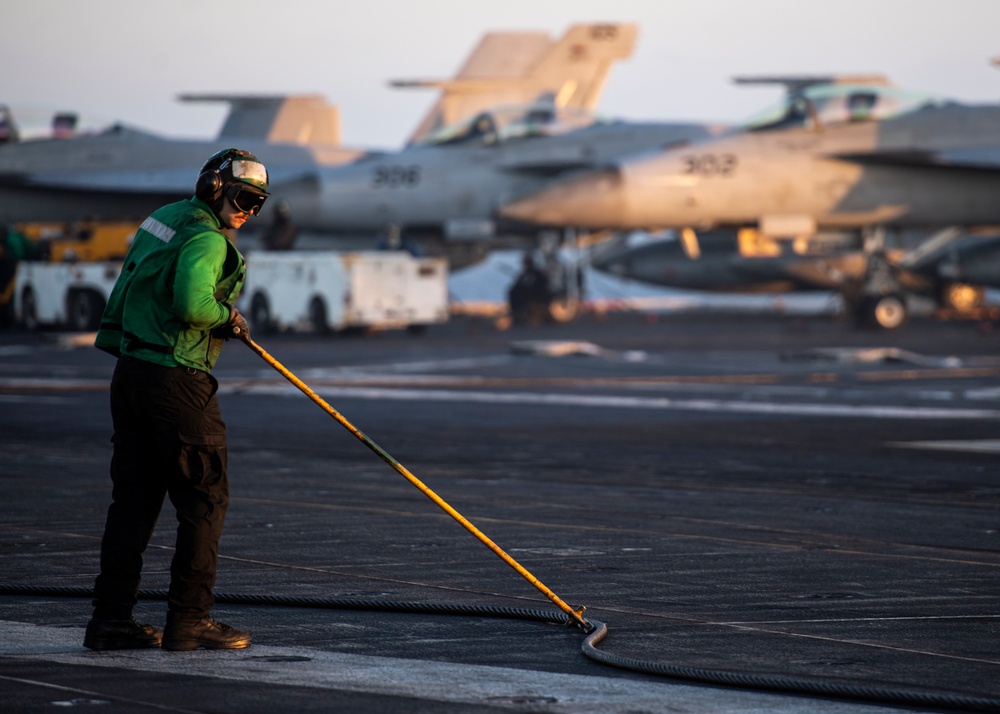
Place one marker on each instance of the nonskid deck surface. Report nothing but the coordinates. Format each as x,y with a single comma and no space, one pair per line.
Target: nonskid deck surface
787,497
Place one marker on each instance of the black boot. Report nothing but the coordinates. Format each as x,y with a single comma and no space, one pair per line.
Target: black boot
120,633
184,632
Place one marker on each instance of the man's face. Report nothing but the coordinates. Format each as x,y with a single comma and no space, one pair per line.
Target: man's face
231,216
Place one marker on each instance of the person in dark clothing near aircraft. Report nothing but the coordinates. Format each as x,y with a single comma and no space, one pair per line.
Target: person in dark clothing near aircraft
166,319
282,232
530,295
395,239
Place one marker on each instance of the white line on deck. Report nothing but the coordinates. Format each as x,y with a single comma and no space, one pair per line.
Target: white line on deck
627,402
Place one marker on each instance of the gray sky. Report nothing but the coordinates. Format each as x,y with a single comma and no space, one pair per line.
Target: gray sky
127,60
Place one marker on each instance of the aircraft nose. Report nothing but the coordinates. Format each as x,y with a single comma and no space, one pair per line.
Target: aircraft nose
593,200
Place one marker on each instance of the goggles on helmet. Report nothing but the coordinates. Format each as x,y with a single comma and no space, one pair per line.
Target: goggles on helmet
245,198
251,172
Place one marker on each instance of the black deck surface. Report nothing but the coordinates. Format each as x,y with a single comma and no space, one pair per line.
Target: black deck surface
739,493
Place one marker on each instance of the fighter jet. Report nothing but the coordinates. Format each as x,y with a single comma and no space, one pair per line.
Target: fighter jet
443,192
123,172
953,267
833,156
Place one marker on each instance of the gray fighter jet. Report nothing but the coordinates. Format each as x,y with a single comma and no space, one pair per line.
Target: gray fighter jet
124,173
860,156
953,267
442,194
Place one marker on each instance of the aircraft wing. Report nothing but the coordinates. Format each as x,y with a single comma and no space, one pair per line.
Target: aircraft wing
984,158
138,181
135,181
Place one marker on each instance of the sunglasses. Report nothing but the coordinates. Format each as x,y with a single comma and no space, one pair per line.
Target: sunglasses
246,200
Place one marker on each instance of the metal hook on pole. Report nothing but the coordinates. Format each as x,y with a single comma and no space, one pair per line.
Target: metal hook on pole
576,615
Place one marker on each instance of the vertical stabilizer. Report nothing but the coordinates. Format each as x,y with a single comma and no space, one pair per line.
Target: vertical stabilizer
299,119
519,67
577,67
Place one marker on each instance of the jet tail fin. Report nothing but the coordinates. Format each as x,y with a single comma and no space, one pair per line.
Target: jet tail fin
577,67
519,67
294,119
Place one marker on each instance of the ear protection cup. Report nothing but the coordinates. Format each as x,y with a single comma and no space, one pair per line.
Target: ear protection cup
209,186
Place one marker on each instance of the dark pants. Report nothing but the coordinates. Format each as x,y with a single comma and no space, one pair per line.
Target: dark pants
169,440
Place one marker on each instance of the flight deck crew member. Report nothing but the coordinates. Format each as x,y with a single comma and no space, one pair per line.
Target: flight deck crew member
166,319
530,295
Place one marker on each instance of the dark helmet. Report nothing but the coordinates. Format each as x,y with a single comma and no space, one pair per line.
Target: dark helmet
236,174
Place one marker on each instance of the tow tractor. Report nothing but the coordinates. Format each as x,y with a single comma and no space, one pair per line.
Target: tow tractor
67,285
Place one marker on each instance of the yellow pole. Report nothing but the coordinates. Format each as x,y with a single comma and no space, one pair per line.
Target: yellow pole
577,615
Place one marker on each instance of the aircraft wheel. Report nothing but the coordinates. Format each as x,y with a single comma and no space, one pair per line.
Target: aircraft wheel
317,315
886,312
260,314
962,297
29,310
83,310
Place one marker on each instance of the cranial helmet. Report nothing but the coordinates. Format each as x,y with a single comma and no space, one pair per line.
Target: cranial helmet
236,174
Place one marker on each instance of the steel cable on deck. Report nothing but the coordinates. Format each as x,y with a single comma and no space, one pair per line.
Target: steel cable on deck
597,633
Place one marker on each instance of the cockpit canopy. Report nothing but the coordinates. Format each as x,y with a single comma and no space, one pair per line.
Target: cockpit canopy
510,122
826,104
27,123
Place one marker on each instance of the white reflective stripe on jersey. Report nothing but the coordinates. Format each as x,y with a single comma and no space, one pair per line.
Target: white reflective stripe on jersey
158,229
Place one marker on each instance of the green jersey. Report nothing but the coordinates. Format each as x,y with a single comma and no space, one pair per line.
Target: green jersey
178,281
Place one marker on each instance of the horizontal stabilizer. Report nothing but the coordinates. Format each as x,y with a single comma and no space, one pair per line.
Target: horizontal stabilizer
481,85
794,84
